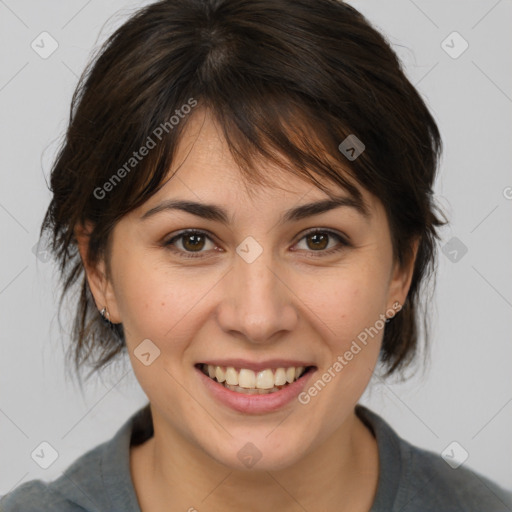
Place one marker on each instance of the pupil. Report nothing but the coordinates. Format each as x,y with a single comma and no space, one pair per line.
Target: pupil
196,240
321,236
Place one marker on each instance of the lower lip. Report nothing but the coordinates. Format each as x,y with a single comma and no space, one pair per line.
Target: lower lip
256,404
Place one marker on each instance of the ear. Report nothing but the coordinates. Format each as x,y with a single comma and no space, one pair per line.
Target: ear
401,277
101,288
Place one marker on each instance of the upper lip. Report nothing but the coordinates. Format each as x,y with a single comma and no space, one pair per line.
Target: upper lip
256,365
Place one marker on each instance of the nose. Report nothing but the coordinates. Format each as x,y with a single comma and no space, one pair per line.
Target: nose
257,302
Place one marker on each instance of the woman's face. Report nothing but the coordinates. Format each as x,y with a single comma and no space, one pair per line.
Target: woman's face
254,293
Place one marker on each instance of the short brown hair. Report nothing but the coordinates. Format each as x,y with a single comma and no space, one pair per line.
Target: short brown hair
287,80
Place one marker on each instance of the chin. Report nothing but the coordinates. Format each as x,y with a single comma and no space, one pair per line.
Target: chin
258,452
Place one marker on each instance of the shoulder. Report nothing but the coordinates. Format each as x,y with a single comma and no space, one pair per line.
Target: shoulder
77,489
99,480
427,478
36,496
414,479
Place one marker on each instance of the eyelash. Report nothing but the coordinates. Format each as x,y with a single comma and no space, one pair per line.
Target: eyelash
189,255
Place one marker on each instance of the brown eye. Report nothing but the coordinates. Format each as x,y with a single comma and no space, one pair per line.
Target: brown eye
193,242
189,242
318,240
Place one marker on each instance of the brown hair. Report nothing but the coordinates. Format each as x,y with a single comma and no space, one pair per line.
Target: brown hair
287,80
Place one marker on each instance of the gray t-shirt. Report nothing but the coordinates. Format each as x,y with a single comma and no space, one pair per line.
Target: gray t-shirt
410,479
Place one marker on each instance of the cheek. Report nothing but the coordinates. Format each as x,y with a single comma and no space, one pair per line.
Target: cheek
348,300
139,296
143,295
155,300
347,307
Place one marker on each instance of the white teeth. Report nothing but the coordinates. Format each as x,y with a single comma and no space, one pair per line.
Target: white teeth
219,374
265,379
231,376
244,379
280,377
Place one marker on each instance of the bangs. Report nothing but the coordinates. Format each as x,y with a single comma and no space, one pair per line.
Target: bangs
274,128
277,128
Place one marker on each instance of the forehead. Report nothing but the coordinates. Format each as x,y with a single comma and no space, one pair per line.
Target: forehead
204,167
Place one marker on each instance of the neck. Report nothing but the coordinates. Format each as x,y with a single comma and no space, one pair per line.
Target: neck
339,475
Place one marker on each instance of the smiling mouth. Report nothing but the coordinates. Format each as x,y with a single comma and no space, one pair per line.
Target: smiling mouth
246,381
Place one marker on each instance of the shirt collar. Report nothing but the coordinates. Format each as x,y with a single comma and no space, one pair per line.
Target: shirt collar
390,459
115,461
120,492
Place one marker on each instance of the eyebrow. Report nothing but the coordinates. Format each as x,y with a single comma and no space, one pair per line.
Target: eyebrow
219,214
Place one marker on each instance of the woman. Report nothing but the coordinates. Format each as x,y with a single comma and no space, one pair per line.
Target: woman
244,196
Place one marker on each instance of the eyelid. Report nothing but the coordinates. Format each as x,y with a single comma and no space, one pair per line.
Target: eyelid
344,238
188,231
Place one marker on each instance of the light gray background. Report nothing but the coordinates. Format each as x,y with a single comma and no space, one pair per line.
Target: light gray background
466,393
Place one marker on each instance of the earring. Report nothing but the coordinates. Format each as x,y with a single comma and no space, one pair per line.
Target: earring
396,304
105,316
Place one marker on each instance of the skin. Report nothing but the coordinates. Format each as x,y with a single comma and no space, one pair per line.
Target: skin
317,456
